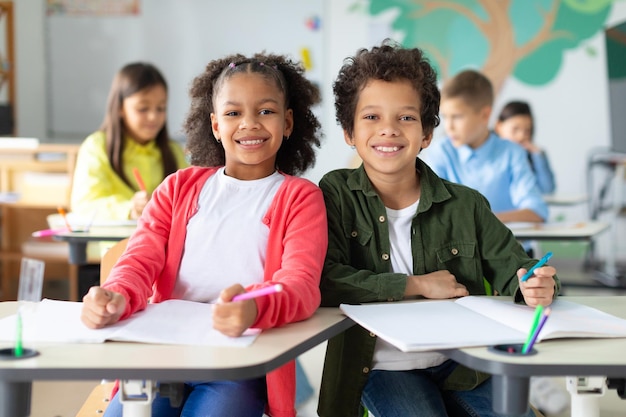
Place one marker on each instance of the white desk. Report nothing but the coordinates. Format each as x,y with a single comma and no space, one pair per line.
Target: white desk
565,199
77,241
581,231
557,357
558,231
137,361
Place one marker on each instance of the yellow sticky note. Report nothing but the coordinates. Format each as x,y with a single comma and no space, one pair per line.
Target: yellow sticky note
305,55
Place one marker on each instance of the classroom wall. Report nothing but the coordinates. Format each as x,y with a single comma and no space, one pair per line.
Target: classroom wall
30,66
571,111
179,37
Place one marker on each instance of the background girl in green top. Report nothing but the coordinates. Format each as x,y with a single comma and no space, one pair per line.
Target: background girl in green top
133,135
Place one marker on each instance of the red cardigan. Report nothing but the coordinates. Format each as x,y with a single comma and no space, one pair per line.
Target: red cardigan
296,248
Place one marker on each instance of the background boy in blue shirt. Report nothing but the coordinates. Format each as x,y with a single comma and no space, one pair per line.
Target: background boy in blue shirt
472,155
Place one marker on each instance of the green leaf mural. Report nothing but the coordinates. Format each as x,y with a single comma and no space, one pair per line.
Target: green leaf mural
525,39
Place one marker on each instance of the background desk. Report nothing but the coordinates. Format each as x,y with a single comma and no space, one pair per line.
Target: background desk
568,232
565,200
37,179
78,240
87,273
556,231
557,357
118,360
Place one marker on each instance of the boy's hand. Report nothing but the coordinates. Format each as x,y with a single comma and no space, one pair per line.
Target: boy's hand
233,318
539,288
436,285
102,307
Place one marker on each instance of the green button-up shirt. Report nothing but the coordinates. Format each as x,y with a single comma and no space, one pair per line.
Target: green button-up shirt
453,229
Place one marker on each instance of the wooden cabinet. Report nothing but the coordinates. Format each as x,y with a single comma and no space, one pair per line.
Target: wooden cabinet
34,181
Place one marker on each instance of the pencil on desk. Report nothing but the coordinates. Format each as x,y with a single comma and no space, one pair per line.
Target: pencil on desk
93,217
533,327
63,214
530,345
18,350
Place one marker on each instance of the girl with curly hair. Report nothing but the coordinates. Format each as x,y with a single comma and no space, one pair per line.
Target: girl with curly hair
238,220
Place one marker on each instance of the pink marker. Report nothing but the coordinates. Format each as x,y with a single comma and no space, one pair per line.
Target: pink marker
48,232
272,289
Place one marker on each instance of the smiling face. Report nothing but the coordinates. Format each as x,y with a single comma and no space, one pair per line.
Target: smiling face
250,120
144,113
388,132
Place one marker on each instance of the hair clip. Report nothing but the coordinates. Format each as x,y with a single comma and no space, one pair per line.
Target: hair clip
232,65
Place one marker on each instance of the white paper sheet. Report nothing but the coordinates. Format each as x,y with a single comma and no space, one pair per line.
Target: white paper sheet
175,322
476,321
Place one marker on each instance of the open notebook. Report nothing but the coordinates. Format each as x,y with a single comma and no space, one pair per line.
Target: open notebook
477,321
176,322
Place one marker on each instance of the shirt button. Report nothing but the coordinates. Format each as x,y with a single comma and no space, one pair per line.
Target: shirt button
385,256
366,370
455,251
372,334
381,219
354,233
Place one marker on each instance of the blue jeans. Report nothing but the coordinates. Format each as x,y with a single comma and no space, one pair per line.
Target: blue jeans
304,390
207,399
418,393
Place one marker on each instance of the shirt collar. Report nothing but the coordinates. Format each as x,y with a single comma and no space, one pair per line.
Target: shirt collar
433,189
130,145
465,152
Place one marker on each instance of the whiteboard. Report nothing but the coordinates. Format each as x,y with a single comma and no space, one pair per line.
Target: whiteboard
178,36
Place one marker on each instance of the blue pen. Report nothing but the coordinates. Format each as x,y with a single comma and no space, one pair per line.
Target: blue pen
539,264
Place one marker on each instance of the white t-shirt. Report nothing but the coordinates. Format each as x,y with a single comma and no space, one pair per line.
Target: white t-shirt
386,356
226,240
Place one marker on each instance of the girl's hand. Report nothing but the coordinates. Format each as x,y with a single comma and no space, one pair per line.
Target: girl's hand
539,288
138,203
102,307
232,318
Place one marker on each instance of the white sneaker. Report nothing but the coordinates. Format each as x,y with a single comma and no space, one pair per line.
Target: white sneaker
548,395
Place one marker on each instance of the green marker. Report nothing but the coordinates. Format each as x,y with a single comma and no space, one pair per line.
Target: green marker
19,350
536,319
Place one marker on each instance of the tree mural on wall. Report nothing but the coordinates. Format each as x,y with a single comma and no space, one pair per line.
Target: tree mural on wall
525,39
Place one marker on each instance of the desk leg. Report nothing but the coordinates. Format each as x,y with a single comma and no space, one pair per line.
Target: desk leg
73,277
510,394
586,393
78,252
15,399
136,397
611,259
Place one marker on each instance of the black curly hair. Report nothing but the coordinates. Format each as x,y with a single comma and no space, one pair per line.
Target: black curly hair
387,62
295,155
